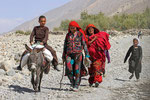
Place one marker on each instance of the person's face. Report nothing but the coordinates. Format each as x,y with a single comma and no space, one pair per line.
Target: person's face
73,29
42,21
91,30
135,42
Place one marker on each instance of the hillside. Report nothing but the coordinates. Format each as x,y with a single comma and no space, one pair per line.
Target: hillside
73,9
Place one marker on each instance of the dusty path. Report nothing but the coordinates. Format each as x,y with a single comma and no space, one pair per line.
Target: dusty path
115,86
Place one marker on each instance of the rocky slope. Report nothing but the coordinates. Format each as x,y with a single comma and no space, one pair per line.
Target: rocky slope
73,9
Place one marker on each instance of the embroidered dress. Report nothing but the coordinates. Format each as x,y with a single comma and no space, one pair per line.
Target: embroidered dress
74,44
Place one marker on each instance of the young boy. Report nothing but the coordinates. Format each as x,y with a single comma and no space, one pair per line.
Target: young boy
40,35
135,59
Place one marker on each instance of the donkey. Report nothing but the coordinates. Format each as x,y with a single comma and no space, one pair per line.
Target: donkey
37,64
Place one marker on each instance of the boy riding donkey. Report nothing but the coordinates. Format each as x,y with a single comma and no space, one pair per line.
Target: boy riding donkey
40,33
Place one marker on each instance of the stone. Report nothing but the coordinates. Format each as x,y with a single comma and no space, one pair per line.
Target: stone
1,82
57,33
17,57
17,76
2,72
59,56
6,65
11,72
26,72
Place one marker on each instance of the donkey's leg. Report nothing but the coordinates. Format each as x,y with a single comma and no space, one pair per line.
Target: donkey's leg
32,80
37,79
41,76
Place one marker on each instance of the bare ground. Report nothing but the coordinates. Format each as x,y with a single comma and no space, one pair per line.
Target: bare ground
115,86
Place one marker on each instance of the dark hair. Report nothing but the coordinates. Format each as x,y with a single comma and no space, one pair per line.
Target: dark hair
135,39
41,17
89,33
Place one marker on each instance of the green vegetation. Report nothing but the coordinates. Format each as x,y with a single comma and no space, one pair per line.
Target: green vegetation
23,33
117,22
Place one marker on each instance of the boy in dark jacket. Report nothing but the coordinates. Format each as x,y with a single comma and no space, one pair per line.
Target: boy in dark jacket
40,35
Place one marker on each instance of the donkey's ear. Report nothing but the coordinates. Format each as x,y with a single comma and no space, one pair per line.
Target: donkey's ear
38,50
28,48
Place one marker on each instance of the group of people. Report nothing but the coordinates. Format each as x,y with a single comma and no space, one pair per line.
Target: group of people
95,45
92,41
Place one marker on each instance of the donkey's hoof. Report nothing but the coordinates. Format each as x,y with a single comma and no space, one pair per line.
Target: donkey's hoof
19,68
56,68
39,90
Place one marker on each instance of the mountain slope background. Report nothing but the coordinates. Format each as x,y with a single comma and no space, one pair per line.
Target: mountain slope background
73,9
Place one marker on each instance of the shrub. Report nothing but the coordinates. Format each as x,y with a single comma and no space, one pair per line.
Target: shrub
19,32
117,22
23,33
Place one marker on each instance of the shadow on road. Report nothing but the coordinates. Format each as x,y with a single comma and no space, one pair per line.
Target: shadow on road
20,89
123,80
51,88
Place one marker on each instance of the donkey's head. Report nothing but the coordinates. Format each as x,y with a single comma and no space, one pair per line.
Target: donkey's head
34,58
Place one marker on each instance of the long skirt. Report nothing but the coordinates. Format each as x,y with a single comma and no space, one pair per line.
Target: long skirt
73,68
95,71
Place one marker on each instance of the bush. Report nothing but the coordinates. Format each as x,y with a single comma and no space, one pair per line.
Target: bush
56,29
27,32
19,32
117,22
23,33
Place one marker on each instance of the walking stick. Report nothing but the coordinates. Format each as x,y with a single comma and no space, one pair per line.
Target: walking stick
62,76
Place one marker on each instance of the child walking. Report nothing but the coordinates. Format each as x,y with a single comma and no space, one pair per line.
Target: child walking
135,59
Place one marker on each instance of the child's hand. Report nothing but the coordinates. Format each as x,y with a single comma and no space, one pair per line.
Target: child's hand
41,43
95,37
31,43
87,62
90,42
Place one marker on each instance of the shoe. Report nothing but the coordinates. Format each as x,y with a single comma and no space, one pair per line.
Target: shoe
56,68
71,87
75,89
19,68
131,76
96,84
90,85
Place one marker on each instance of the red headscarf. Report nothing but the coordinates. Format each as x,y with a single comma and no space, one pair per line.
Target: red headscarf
103,34
95,29
75,24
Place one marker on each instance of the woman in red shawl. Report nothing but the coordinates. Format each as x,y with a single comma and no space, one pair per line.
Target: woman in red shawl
72,54
97,44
